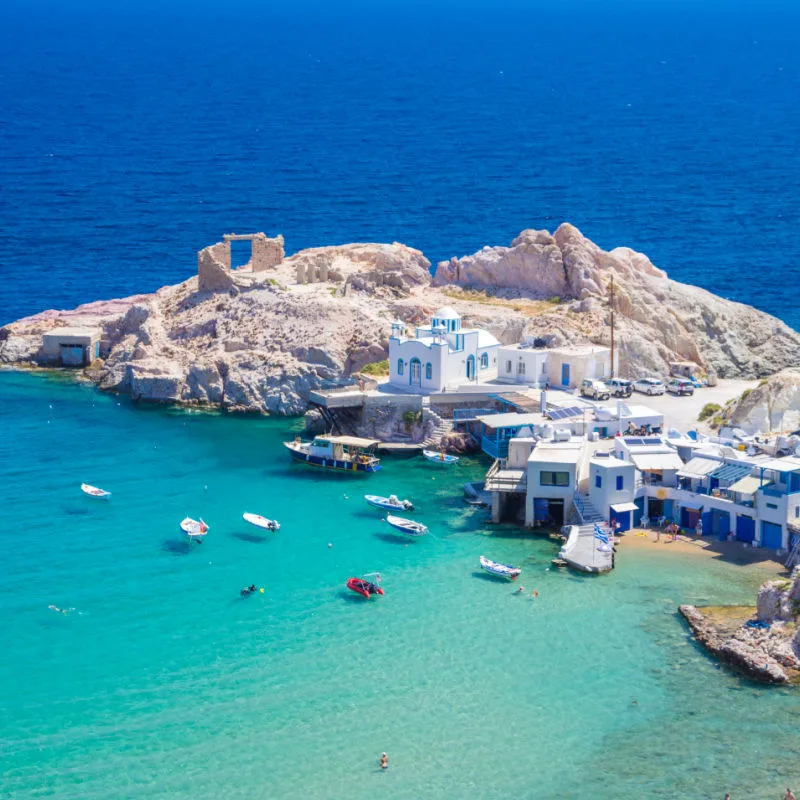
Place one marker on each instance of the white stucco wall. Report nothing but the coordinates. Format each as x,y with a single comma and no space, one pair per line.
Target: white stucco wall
607,494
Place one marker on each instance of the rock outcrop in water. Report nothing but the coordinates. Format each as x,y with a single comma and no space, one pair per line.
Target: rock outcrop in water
259,338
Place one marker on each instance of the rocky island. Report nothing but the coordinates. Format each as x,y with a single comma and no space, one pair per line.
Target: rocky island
261,337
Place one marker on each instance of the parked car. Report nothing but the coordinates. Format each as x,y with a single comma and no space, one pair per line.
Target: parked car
619,387
680,386
649,386
595,389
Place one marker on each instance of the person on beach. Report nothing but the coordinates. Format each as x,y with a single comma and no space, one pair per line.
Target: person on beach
384,761
658,534
699,529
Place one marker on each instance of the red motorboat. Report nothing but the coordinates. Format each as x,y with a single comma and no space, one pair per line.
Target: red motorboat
364,587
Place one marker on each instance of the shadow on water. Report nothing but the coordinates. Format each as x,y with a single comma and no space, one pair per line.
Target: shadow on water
352,597
177,547
253,538
393,539
75,511
486,577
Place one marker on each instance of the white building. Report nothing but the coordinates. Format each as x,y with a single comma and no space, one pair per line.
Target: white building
612,484
441,355
552,479
560,366
625,418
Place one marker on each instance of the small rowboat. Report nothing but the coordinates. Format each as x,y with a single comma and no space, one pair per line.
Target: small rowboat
93,491
392,503
364,587
505,571
262,522
195,529
435,457
407,526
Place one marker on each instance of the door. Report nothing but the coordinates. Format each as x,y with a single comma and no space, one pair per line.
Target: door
771,535
745,529
565,374
470,368
416,372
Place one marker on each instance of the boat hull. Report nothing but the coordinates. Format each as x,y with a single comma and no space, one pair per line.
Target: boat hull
407,527
382,502
362,587
504,572
332,464
261,522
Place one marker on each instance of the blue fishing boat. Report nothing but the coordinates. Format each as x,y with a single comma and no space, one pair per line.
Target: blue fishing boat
435,457
341,453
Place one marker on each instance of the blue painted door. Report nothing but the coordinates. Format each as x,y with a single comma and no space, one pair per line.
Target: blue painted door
771,535
541,509
624,519
708,523
722,524
745,529
470,368
565,374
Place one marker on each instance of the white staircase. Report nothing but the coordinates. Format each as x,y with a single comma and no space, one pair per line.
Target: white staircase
586,511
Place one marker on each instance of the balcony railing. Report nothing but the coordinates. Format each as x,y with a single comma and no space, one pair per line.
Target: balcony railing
494,448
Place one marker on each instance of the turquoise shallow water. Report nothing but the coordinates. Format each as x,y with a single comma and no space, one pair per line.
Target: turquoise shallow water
165,683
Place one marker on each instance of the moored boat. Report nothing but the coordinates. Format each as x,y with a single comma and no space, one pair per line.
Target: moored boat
407,526
261,522
364,587
392,503
93,491
195,529
505,571
437,457
341,453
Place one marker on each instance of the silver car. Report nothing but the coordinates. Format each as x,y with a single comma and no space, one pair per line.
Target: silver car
649,386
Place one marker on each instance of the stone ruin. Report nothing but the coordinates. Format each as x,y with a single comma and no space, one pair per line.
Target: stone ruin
214,262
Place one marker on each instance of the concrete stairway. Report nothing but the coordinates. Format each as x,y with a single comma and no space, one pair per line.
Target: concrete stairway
586,511
441,427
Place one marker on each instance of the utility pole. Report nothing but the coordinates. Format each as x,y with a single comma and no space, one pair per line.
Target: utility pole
611,305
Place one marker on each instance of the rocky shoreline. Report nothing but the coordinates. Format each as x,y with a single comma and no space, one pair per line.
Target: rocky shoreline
761,642
259,338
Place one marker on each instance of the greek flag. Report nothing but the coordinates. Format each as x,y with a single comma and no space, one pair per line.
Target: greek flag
600,534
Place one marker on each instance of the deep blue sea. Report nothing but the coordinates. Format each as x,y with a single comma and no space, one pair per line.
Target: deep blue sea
134,133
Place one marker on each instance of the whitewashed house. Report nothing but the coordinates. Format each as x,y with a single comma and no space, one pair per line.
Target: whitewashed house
441,355
552,480
565,367
612,486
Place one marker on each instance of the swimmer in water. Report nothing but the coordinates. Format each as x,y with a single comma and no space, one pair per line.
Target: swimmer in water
61,610
384,761
534,594
520,590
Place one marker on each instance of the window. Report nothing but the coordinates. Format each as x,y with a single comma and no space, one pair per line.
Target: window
620,482
554,478
520,368
485,361
598,481
399,366
797,511
772,506
508,367
428,371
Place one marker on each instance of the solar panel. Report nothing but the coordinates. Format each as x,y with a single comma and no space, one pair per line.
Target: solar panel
634,442
652,441
563,413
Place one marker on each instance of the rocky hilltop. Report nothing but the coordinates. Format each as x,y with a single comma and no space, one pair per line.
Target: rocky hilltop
260,337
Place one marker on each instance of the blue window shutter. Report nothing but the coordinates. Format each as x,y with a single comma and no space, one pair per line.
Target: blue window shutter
620,482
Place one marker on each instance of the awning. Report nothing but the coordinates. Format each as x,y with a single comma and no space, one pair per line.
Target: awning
622,507
691,506
732,472
656,461
351,441
748,485
698,468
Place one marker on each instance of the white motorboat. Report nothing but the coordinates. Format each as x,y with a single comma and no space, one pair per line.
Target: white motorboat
505,571
261,522
407,526
391,503
436,457
93,491
195,529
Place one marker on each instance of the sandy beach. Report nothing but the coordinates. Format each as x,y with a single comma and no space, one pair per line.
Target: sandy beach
703,547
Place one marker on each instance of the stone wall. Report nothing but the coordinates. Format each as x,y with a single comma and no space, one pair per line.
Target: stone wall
214,262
